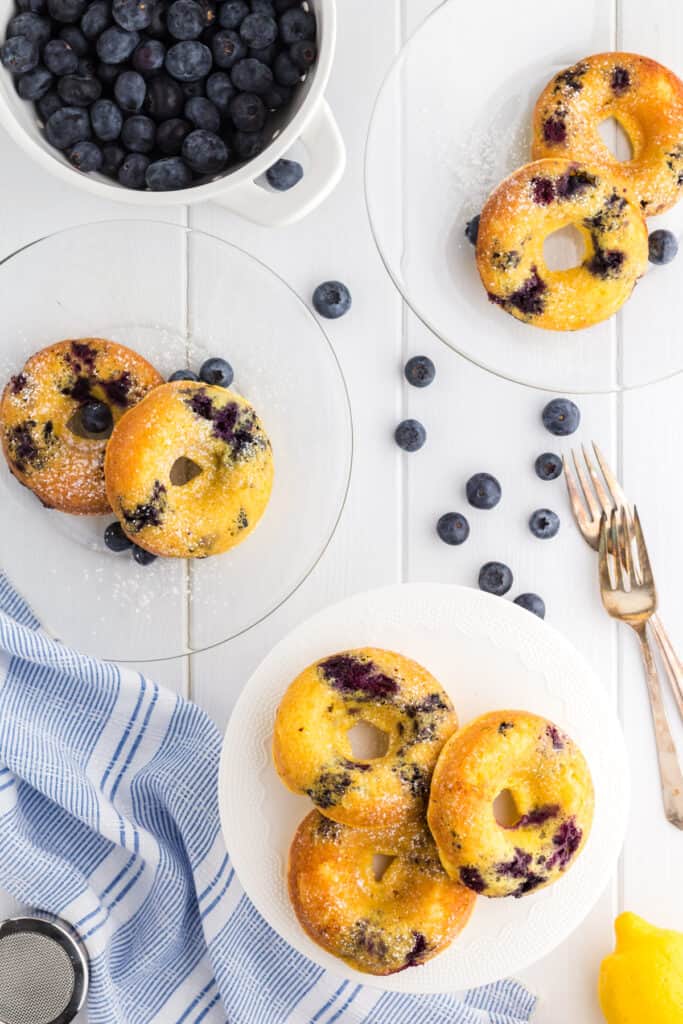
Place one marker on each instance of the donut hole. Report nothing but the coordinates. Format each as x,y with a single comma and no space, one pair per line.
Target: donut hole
183,470
616,139
505,809
564,248
367,742
76,426
381,863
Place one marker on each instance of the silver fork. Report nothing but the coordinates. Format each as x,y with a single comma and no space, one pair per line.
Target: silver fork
588,505
629,594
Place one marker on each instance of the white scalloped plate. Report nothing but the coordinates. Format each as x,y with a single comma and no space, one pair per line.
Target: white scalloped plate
487,653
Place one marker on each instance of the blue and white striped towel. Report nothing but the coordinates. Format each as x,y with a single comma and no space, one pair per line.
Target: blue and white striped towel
109,819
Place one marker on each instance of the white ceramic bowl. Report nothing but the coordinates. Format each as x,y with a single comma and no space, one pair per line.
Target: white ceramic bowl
308,120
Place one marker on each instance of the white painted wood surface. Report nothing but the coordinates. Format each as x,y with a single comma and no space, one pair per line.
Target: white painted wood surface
475,422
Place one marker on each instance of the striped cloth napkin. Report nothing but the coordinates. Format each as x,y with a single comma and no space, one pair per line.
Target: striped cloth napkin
109,819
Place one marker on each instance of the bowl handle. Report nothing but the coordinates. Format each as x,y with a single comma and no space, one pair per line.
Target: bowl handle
323,140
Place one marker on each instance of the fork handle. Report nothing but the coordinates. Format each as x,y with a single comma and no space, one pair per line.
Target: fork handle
672,663
669,769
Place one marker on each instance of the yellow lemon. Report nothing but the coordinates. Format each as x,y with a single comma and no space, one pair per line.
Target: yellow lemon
641,982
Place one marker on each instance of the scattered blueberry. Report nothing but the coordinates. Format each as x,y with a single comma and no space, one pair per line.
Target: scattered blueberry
133,169
116,539
663,247
472,229
217,371
483,491
495,578
561,417
86,156
232,13
258,30
133,15
420,371
453,528
284,174
149,56
130,90
67,126
60,57
106,120
248,112
544,523
143,557
34,84
168,174
410,435
96,417
19,55
183,375
332,299
548,466
533,603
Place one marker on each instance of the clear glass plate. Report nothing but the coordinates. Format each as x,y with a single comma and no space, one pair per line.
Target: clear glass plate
453,118
176,296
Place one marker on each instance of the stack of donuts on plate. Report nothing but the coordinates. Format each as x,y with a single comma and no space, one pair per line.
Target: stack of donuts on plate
425,807
575,180
90,426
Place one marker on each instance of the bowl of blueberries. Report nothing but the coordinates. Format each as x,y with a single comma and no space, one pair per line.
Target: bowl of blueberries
158,101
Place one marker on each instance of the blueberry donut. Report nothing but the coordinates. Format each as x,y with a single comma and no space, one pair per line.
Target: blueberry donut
646,100
531,204
48,407
376,925
396,696
189,470
546,777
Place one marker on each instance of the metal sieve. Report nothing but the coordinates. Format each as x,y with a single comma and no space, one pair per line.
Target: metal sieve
43,972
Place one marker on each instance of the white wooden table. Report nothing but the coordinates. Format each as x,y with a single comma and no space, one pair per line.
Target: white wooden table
475,422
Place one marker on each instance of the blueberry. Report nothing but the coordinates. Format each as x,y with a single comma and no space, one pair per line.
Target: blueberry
247,145
183,375
285,70
60,58
185,19
137,134
19,55
188,61
220,90
171,134
303,54
472,229
259,30
133,169
495,578
106,120
75,38
96,18
233,13
149,56
266,54
205,152
544,523
165,98
227,47
263,7
67,11
77,91
410,435
248,112
561,417
278,96
115,45
31,26
112,158
217,371
297,24
96,417
420,371
67,126
130,90
453,528
483,491
168,174
157,26
86,68
332,299
193,89
663,247
208,9
48,104
533,603
251,75
202,113
132,15
143,557
285,5
34,84
107,74
115,538
284,174
548,466
36,6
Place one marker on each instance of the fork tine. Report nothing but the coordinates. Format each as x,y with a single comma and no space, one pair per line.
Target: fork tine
625,542
615,487
614,540
593,505
643,557
606,503
603,566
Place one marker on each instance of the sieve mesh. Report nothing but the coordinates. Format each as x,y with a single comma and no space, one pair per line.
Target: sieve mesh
36,979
